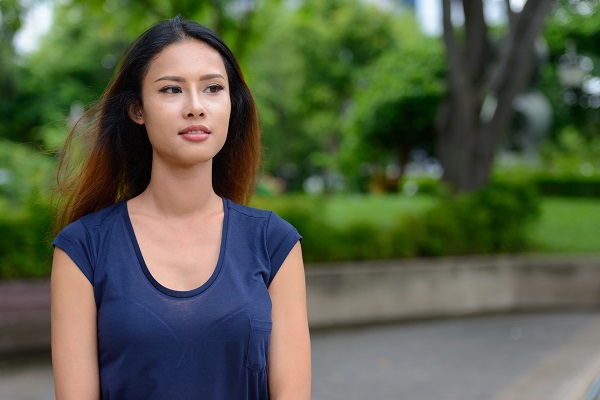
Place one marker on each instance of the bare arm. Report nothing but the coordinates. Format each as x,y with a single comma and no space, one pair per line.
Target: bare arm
74,337
289,354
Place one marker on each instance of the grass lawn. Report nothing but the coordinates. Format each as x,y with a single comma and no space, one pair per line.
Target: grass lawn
379,209
568,225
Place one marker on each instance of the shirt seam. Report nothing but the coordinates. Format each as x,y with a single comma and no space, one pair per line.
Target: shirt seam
264,217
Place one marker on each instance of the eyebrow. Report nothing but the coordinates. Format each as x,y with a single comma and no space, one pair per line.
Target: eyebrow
180,79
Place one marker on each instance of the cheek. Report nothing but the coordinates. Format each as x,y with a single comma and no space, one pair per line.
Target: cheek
159,114
228,108
224,113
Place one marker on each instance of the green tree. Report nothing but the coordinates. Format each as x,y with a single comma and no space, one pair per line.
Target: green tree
304,75
395,107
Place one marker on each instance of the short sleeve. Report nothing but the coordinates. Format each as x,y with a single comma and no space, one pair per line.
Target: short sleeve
74,240
281,238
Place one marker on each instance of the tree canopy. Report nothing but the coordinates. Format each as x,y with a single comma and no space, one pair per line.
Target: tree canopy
337,83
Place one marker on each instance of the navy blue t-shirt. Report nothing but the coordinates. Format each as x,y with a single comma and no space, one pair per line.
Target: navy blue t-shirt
156,343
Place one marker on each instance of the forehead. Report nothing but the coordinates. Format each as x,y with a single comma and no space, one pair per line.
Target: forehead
187,58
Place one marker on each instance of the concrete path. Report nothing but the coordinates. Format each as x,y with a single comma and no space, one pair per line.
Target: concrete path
471,359
536,356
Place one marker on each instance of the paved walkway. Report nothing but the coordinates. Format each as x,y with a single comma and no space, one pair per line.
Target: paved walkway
507,357
529,357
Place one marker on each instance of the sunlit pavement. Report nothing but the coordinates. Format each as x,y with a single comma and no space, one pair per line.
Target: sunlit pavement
468,359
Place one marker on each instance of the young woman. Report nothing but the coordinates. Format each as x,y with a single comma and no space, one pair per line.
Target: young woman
164,286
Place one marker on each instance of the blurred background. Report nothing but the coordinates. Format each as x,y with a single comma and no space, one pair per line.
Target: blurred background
394,129
373,119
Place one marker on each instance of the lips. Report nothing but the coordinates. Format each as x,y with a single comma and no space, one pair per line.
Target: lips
195,130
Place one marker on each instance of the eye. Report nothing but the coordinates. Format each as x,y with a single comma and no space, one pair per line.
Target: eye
170,89
215,88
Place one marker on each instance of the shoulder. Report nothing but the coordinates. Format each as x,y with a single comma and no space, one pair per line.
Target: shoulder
85,224
102,216
258,217
263,229
82,240
246,211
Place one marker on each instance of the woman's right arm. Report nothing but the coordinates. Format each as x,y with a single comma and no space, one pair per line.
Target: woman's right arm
74,335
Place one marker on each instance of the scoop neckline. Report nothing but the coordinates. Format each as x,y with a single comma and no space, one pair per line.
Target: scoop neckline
172,292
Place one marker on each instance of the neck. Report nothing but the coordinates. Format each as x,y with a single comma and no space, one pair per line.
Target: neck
180,192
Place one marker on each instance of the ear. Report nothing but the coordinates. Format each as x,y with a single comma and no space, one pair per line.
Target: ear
135,113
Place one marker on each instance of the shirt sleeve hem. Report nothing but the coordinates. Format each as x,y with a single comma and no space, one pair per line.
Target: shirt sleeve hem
75,253
283,251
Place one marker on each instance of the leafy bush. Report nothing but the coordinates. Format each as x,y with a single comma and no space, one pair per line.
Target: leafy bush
490,221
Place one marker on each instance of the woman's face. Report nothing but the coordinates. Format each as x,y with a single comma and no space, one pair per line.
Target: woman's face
185,104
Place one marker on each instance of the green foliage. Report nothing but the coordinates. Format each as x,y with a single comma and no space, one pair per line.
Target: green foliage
567,166
568,186
576,22
10,22
394,110
25,250
571,154
399,97
493,220
25,179
10,17
70,70
496,219
24,173
304,73
570,165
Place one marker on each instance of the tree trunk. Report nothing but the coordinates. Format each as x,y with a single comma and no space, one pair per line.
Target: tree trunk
478,108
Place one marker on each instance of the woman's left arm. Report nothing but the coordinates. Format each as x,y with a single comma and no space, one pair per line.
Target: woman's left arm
289,354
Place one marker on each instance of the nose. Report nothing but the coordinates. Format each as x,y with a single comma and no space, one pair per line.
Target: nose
194,106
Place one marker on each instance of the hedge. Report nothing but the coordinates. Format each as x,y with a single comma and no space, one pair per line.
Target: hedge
568,186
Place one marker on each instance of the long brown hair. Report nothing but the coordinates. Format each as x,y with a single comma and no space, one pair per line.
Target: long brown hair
107,157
